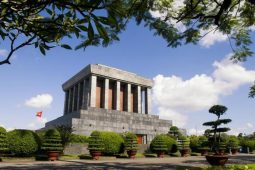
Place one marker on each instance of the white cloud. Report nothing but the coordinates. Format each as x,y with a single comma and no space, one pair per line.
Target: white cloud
249,125
37,123
197,132
175,97
211,38
40,101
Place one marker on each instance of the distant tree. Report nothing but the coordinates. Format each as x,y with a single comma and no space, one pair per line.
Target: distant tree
217,110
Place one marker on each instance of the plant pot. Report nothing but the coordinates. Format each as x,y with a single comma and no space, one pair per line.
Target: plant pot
234,151
217,160
131,154
160,154
204,152
184,152
95,154
53,155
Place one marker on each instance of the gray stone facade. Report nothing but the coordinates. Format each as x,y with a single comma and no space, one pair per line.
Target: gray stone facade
108,99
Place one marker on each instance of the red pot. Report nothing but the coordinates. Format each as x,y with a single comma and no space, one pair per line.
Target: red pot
160,154
95,154
131,154
53,155
217,160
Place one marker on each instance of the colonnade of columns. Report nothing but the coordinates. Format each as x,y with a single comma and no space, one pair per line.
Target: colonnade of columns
108,94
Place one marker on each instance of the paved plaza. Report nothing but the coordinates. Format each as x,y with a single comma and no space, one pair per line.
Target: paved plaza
123,164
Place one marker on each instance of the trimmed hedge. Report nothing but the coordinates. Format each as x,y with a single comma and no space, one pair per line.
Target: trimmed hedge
170,142
130,142
22,142
78,139
113,143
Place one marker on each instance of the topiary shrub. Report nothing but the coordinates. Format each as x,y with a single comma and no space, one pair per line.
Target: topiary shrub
3,141
170,142
22,142
52,141
130,141
78,139
95,142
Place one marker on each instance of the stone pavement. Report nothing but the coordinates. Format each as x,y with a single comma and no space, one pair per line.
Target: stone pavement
169,163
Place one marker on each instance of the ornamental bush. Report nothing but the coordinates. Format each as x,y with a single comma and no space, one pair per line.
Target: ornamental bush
170,142
160,145
3,141
233,142
248,143
95,142
130,142
78,139
113,143
183,143
22,142
52,141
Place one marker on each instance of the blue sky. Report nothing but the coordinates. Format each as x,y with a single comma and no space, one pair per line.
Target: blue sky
188,79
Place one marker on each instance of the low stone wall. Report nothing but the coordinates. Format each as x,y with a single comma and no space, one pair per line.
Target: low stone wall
78,149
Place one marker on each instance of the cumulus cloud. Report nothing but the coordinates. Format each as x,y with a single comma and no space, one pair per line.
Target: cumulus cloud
210,38
40,101
248,128
194,131
175,97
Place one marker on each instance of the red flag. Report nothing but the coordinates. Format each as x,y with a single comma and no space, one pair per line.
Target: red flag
39,114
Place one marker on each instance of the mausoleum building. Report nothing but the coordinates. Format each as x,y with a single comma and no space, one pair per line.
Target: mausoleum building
103,98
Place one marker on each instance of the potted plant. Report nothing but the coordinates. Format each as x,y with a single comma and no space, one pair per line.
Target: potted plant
96,145
203,145
183,145
160,147
52,144
233,144
3,142
217,146
131,145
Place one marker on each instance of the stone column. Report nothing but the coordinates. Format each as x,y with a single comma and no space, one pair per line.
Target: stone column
66,102
139,100
78,97
147,101
84,94
70,100
117,95
73,98
93,86
106,91
129,97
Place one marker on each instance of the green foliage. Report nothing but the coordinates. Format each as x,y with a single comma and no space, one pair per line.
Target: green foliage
174,132
65,133
170,142
78,139
194,143
183,143
216,128
52,141
130,142
248,143
95,142
203,143
159,145
113,143
3,141
233,142
22,142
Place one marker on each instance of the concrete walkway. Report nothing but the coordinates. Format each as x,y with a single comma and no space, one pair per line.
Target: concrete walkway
169,163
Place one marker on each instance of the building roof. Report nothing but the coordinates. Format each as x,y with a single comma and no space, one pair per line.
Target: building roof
110,73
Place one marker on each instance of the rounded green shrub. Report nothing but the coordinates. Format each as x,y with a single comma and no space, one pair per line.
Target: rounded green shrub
113,143
170,142
233,142
183,143
3,140
52,141
22,142
130,142
78,139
